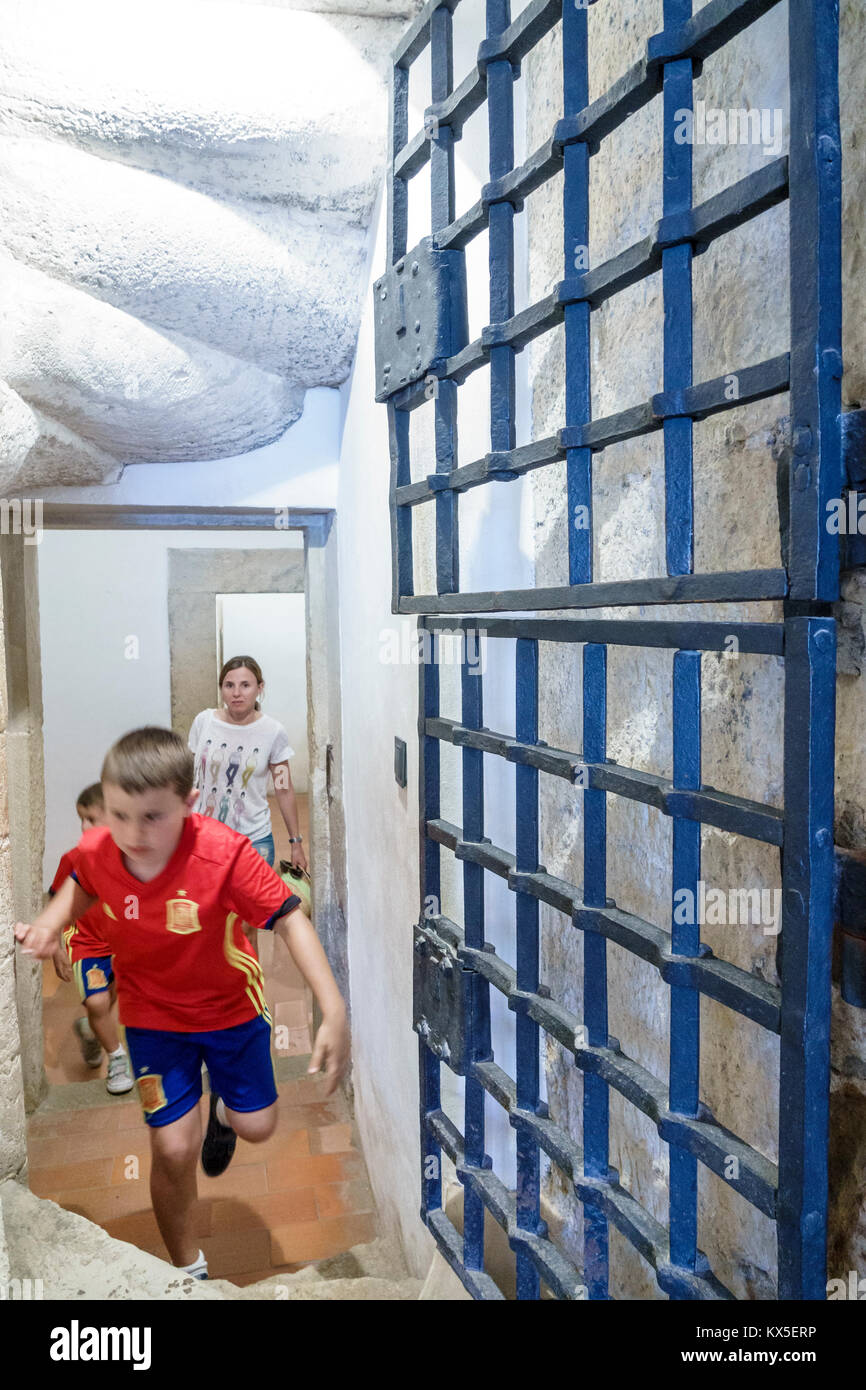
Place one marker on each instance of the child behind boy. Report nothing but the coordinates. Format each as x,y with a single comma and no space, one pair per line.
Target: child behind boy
175,888
84,949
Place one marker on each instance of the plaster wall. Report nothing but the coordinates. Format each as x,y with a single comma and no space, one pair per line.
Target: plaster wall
98,589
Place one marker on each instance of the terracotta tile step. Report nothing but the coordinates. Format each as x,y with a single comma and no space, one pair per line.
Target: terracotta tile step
310,1172
316,1240
287,1208
343,1198
95,1172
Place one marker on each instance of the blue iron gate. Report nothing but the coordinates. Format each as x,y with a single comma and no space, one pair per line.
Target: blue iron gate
425,289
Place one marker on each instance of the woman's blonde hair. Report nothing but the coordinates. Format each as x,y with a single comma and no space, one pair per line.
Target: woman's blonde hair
148,759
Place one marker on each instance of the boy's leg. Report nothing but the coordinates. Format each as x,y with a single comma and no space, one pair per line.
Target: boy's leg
168,1070
174,1153
243,1090
99,1016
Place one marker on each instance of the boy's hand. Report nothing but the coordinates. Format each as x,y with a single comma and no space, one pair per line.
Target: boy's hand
36,941
62,968
331,1050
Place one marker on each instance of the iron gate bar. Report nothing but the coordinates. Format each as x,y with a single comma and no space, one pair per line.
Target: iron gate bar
718,979
755,820
766,639
725,587
596,1099
528,1215
684,1062
695,402
576,316
795,1194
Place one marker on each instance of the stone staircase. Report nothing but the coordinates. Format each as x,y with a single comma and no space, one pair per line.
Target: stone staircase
75,1259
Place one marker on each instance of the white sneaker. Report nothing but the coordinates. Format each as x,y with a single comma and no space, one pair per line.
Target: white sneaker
120,1078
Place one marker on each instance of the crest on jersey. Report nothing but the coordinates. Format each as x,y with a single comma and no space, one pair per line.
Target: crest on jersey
181,915
151,1093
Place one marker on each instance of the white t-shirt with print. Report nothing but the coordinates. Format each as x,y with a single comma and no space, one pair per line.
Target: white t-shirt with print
231,769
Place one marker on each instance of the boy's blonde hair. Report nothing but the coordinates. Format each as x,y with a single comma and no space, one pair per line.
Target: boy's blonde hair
149,759
91,796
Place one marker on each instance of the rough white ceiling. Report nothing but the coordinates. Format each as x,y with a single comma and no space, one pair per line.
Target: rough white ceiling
185,189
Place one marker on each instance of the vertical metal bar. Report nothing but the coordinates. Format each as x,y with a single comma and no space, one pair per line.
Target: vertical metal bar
596,1099
677,299
815,220
431,902
478,1030
500,121
578,398
527,1069
442,204
806,939
402,572
685,939
398,189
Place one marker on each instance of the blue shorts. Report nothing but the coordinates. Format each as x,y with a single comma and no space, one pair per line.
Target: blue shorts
266,848
167,1068
92,975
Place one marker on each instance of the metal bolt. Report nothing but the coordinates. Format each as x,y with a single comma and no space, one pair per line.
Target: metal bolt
823,837
822,640
801,439
383,294
414,267
417,325
802,477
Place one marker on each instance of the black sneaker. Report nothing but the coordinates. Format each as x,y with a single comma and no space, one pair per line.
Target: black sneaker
219,1143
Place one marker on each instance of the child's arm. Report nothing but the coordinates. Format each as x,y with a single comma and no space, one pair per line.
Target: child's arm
331,1047
42,937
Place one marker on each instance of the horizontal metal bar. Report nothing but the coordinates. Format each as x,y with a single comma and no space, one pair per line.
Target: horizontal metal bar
710,29
618,1206
727,587
450,1243
767,639
462,103
708,397
530,26
417,36
735,388
701,1135
628,94
413,156
700,225
755,820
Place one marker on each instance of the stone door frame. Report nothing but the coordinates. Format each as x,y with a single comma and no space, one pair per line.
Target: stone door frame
21,1056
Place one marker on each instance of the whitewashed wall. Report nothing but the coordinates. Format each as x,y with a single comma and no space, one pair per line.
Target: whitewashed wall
270,628
98,590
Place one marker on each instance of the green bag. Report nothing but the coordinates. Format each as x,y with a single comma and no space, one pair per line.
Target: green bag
299,882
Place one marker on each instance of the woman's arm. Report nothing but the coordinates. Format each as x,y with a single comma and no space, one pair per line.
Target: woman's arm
285,794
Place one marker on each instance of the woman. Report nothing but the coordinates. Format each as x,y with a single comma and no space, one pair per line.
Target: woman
235,747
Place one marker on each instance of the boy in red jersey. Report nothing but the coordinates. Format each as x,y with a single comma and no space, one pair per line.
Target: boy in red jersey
83,955
174,888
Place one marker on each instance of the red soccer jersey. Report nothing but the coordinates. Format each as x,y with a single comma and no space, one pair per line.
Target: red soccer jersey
85,937
184,964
